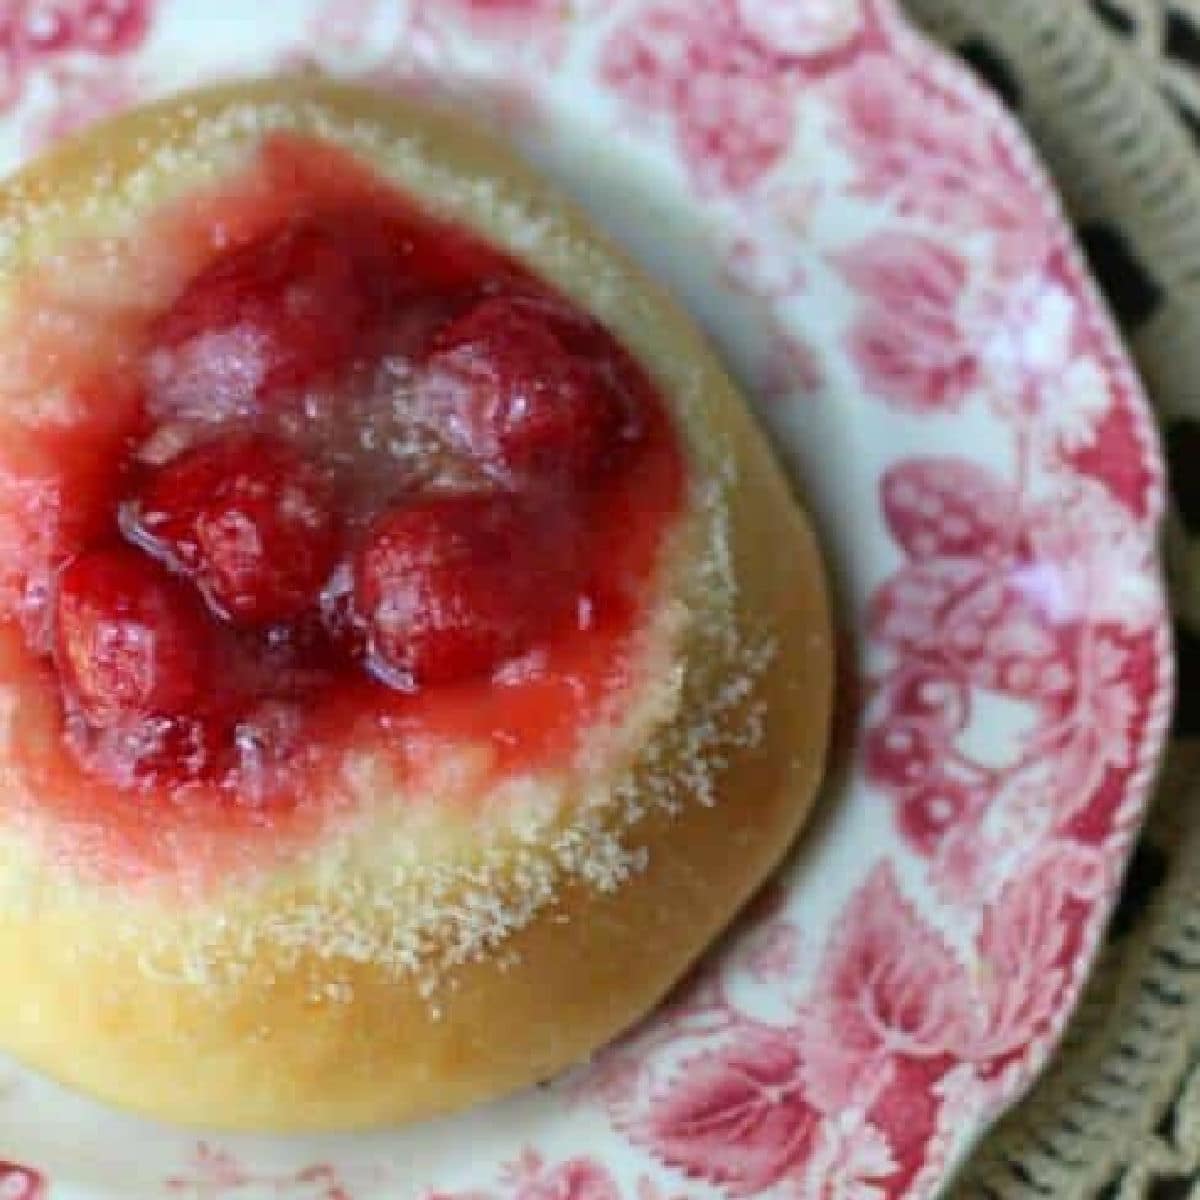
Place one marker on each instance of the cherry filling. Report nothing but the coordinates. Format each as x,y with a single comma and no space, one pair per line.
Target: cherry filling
527,386
378,484
447,586
251,521
302,296
132,639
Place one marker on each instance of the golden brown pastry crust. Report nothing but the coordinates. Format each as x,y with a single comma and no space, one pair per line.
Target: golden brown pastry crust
306,1039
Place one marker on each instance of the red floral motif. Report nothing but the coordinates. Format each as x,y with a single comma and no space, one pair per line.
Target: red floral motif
889,987
934,329
1039,341
997,626
732,114
1028,942
948,508
530,1177
807,30
1030,601
926,150
909,339
580,1178
929,815
20,1183
852,1093
576,1179
34,34
850,1161
648,61
1105,564
910,1108
531,32
737,1117
98,26
217,1172
719,74
733,127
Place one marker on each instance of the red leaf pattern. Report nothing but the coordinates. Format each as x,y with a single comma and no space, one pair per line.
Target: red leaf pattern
733,127
926,150
888,986
717,73
1027,943
909,1108
948,508
909,341
575,1179
737,1117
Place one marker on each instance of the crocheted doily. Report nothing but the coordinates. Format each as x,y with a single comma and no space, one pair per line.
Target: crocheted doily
1111,93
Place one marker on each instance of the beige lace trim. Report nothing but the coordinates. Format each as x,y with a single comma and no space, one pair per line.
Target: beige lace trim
1119,1109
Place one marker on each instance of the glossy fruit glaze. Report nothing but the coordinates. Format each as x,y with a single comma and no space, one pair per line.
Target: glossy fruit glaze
313,473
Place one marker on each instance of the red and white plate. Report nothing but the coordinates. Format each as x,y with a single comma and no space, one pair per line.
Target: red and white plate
873,247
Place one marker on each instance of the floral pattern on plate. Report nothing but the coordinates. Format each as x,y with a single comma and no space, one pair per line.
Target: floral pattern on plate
872,246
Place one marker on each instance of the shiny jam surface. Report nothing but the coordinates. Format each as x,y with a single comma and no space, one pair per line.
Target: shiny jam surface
309,472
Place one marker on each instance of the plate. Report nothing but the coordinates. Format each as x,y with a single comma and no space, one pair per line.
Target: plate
884,266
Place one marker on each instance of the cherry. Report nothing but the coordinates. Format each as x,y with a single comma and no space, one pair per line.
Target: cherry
249,519
518,382
290,307
131,640
450,586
